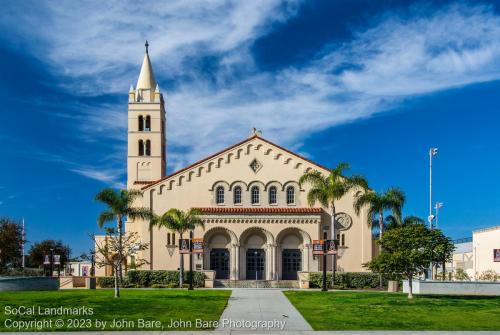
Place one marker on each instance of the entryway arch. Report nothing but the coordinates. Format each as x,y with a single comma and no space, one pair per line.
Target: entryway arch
292,252
221,253
256,254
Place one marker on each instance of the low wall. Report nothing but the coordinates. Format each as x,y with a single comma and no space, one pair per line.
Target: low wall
29,283
453,287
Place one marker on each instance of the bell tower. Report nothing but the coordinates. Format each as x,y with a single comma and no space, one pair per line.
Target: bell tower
146,160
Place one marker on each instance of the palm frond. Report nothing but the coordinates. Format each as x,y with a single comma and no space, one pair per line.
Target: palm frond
141,213
108,196
317,195
412,219
104,218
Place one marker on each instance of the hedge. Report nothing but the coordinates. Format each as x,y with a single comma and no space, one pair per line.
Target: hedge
19,272
155,279
347,280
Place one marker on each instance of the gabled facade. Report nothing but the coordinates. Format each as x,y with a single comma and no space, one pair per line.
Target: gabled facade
258,224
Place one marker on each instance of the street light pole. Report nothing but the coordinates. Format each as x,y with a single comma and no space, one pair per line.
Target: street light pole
432,152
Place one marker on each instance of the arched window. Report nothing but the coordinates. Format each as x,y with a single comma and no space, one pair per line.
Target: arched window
168,239
147,126
273,195
141,123
342,243
141,148
237,195
255,195
173,238
148,148
219,195
290,195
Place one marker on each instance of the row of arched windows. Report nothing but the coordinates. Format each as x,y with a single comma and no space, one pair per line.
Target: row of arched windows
144,148
144,123
255,195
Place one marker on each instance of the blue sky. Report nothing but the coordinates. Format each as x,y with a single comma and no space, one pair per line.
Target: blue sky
373,83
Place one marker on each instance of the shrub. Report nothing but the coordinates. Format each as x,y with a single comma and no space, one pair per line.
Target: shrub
19,272
489,275
461,275
162,278
347,280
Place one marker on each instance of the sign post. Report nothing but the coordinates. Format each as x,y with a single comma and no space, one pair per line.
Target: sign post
319,249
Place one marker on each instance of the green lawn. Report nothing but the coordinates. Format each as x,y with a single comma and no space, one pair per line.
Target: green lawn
393,311
161,305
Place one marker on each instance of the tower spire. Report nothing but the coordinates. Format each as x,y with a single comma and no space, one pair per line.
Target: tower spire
146,80
147,46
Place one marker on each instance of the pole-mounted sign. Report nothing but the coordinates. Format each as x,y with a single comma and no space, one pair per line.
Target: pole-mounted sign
57,259
197,245
318,247
184,246
46,260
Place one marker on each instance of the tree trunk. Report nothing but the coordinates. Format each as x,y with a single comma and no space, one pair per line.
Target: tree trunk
181,267
444,269
381,227
334,237
117,286
410,286
120,249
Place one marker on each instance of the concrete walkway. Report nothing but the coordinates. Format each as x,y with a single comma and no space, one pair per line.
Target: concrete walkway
261,310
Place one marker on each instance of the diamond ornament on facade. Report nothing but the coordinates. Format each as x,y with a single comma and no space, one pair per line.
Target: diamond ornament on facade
255,165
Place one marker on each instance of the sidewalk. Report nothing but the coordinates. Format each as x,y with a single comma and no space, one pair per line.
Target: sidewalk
261,310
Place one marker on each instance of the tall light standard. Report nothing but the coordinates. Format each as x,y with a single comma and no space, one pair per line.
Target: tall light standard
437,207
432,152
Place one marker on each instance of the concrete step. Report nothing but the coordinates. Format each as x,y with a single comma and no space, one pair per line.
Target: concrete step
257,283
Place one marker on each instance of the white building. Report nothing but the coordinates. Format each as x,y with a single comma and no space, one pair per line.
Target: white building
486,250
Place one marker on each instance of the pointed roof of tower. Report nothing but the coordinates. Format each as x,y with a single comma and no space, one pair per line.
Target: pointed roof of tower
146,77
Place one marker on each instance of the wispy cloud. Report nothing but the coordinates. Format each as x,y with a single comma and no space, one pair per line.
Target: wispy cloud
392,59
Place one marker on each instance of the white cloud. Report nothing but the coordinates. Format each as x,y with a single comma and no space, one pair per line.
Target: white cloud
97,47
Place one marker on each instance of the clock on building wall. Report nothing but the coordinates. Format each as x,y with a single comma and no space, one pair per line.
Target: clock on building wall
343,221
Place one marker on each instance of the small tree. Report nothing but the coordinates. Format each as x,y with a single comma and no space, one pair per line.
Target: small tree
46,247
11,240
461,275
120,207
115,249
406,252
442,249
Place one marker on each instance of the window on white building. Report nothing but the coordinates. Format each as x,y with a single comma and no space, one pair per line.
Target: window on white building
290,195
255,195
219,195
273,195
237,195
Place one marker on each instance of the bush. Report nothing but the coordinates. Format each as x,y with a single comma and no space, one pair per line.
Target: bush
163,278
18,272
347,280
489,275
461,275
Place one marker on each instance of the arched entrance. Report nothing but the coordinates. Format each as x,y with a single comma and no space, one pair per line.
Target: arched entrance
293,253
256,254
220,253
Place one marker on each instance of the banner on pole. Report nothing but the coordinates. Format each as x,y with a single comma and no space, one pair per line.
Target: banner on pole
331,247
46,260
197,245
184,246
318,247
57,259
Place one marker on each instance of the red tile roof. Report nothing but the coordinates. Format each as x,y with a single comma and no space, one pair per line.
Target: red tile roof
232,147
286,210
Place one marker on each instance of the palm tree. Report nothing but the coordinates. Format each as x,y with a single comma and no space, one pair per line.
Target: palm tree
392,200
120,208
179,222
391,222
327,189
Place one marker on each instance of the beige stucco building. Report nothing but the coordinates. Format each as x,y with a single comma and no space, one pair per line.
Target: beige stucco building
258,223
486,250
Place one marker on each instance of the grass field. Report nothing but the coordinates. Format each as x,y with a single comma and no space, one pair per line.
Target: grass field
393,311
160,306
